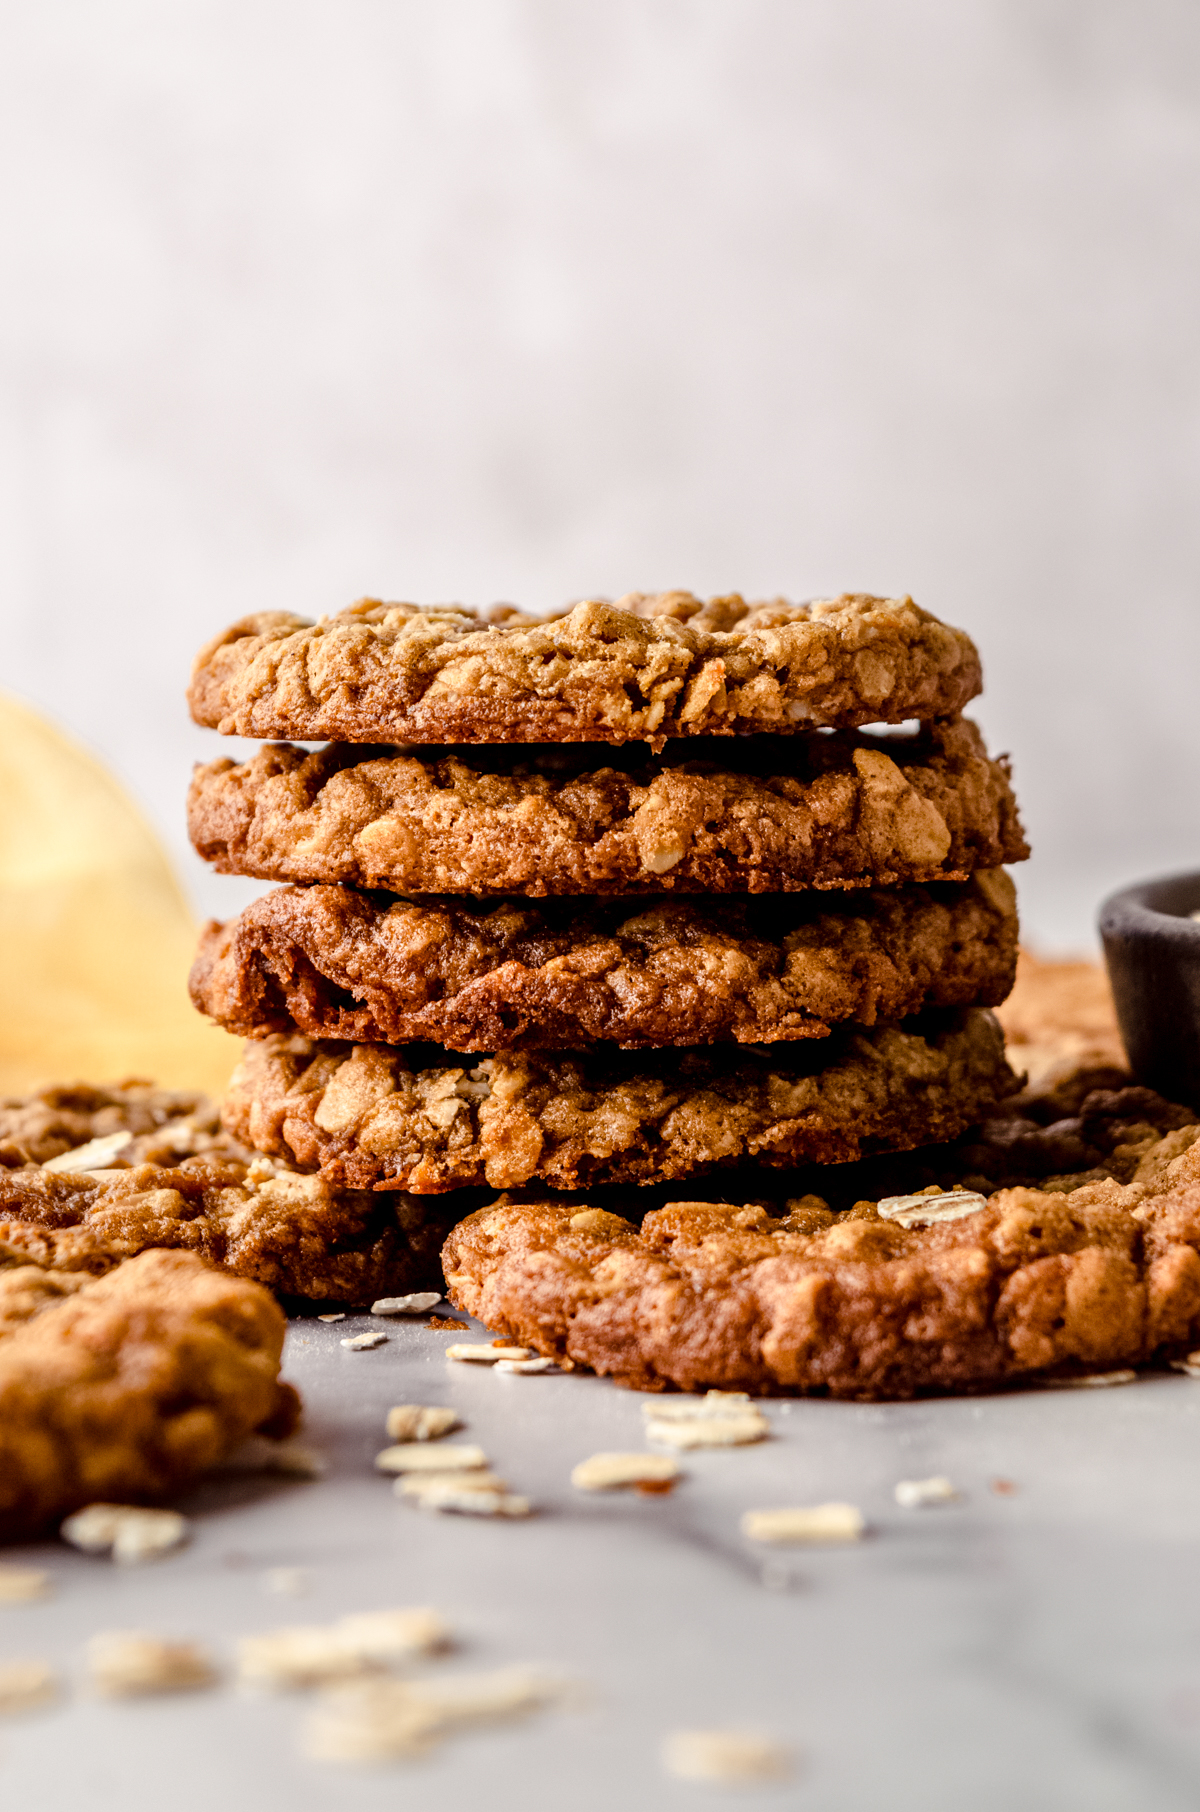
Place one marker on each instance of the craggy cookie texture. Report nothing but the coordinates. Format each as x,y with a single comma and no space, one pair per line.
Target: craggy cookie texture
126,1387
1105,1276
295,1234
644,668
760,815
162,1125
387,1117
333,962
1083,1124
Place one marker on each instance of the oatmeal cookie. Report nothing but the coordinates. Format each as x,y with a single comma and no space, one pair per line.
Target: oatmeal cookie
758,815
298,1236
334,962
161,1125
1089,1123
642,669
1101,1277
387,1117
125,1388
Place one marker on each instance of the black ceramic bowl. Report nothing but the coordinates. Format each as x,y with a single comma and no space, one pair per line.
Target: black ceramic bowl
1153,949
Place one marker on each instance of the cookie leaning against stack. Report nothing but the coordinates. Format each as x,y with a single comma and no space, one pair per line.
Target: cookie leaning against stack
805,921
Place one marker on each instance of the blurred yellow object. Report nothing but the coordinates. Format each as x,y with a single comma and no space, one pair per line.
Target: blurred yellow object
95,934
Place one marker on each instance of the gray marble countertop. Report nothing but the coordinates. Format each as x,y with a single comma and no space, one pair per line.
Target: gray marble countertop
1036,1648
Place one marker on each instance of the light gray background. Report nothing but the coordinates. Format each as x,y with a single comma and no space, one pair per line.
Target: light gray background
533,299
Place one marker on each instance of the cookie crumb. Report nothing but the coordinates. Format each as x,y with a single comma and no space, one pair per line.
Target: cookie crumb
123,1664
26,1686
613,1471
416,1422
18,1585
363,1343
448,1322
915,1494
816,1523
1005,1487
725,1755
131,1533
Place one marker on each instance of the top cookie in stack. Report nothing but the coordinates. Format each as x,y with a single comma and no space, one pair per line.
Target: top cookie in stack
804,918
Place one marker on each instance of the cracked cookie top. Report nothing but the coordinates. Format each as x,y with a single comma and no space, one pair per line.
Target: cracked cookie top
335,962
764,814
642,669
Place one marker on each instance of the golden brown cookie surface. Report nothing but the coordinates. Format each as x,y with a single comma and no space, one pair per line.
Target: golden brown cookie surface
333,962
753,815
1097,1278
642,669
160,1125
385,1116
294,1234
124,1388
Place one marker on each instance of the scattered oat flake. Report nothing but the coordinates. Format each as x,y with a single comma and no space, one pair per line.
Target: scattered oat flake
126,1663
611,1471
417,1484
20,1584
926,1210
486,1355
915,1494
314,1654
26,1686
419,1303
710,1431
725,1755
424,1456
288,1582
1094,1381
340,1316
524,1365
816,1523
387,1720
97,1154
717,1404
291,1458
1190,1367
454,1495
418,1422
133,1534
363,1343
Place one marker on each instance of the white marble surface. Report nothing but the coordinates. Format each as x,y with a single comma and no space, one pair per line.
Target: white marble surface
1038,1650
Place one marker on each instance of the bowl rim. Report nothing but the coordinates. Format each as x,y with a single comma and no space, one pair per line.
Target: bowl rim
1142,909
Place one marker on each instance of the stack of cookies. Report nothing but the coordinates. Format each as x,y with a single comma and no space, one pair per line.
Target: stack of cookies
628,896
